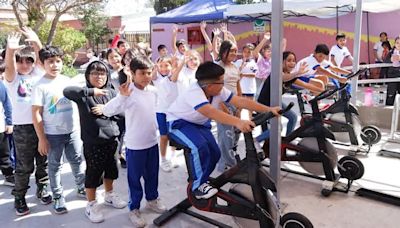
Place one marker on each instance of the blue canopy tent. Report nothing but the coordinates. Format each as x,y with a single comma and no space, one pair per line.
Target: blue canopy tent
194,11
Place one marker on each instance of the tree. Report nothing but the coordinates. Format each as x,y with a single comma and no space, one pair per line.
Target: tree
161,6
250,1
37,10
94,25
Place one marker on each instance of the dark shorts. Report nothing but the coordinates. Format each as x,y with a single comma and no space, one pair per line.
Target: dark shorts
100,163
162,123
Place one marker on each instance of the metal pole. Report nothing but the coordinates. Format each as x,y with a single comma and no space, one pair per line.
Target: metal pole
337,19
356,51
395,116
276,90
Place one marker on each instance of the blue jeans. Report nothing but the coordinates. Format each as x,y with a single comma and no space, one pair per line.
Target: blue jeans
71,145
292,120
227,141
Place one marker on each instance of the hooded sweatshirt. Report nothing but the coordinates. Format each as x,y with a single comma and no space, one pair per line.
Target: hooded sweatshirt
95,129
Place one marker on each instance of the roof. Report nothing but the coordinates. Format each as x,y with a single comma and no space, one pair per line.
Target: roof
194,11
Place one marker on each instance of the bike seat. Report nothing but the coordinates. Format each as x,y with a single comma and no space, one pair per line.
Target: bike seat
177,145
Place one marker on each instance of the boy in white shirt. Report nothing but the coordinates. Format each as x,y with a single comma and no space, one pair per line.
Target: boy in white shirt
138,101
339,52
319,70
20,75
56,125
189,122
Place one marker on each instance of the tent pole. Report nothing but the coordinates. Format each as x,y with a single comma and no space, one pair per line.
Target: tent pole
356,51
276,93
368,46
337,19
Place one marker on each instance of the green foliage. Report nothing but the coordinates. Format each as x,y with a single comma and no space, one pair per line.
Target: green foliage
161,6
94,25
68,69
249,1
67,38
3,40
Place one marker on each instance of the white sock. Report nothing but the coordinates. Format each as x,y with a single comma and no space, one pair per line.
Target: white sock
163,159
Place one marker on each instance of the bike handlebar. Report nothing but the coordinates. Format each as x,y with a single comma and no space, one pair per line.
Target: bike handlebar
263,117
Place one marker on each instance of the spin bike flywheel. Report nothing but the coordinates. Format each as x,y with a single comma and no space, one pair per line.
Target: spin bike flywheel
317,168
345,136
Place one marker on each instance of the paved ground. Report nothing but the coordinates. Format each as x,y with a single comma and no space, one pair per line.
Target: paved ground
297,193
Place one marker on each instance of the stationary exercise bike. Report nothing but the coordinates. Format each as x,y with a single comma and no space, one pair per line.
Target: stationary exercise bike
341,118
315,153
250,197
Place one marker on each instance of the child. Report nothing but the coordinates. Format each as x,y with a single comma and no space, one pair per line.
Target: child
185,72
138,101
289,77
99,135
122,46
339,52
5,129
178,46
162,50
167,90
263,55
393,72
248,69
319,70
20,75
53,118
227,138
114,58
189,122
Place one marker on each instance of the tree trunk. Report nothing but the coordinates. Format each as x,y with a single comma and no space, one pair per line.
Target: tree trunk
17,13
53,27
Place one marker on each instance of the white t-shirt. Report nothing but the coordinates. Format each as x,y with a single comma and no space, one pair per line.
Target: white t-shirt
339,54
231,77
20,92
59,114
167,92
140,116
248,84
379,50
312,65
186,105
114,80
186,78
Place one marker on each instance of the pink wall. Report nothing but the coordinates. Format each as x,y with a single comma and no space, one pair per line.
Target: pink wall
302,33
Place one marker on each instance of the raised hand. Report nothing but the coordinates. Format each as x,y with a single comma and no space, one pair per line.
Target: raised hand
30,35
224,27
303,68
267,35
216,32
121,29
124,89
203,25
175,29
13,41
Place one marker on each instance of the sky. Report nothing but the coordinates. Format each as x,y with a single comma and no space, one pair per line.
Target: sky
124,7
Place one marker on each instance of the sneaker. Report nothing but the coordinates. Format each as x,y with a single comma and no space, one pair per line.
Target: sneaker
112,199
9,180
136,218
205,191
93,213
43,195
59,205
156,206
123,162
80,192
166,166
20,206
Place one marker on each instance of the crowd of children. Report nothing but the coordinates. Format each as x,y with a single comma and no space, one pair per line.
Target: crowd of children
132,102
